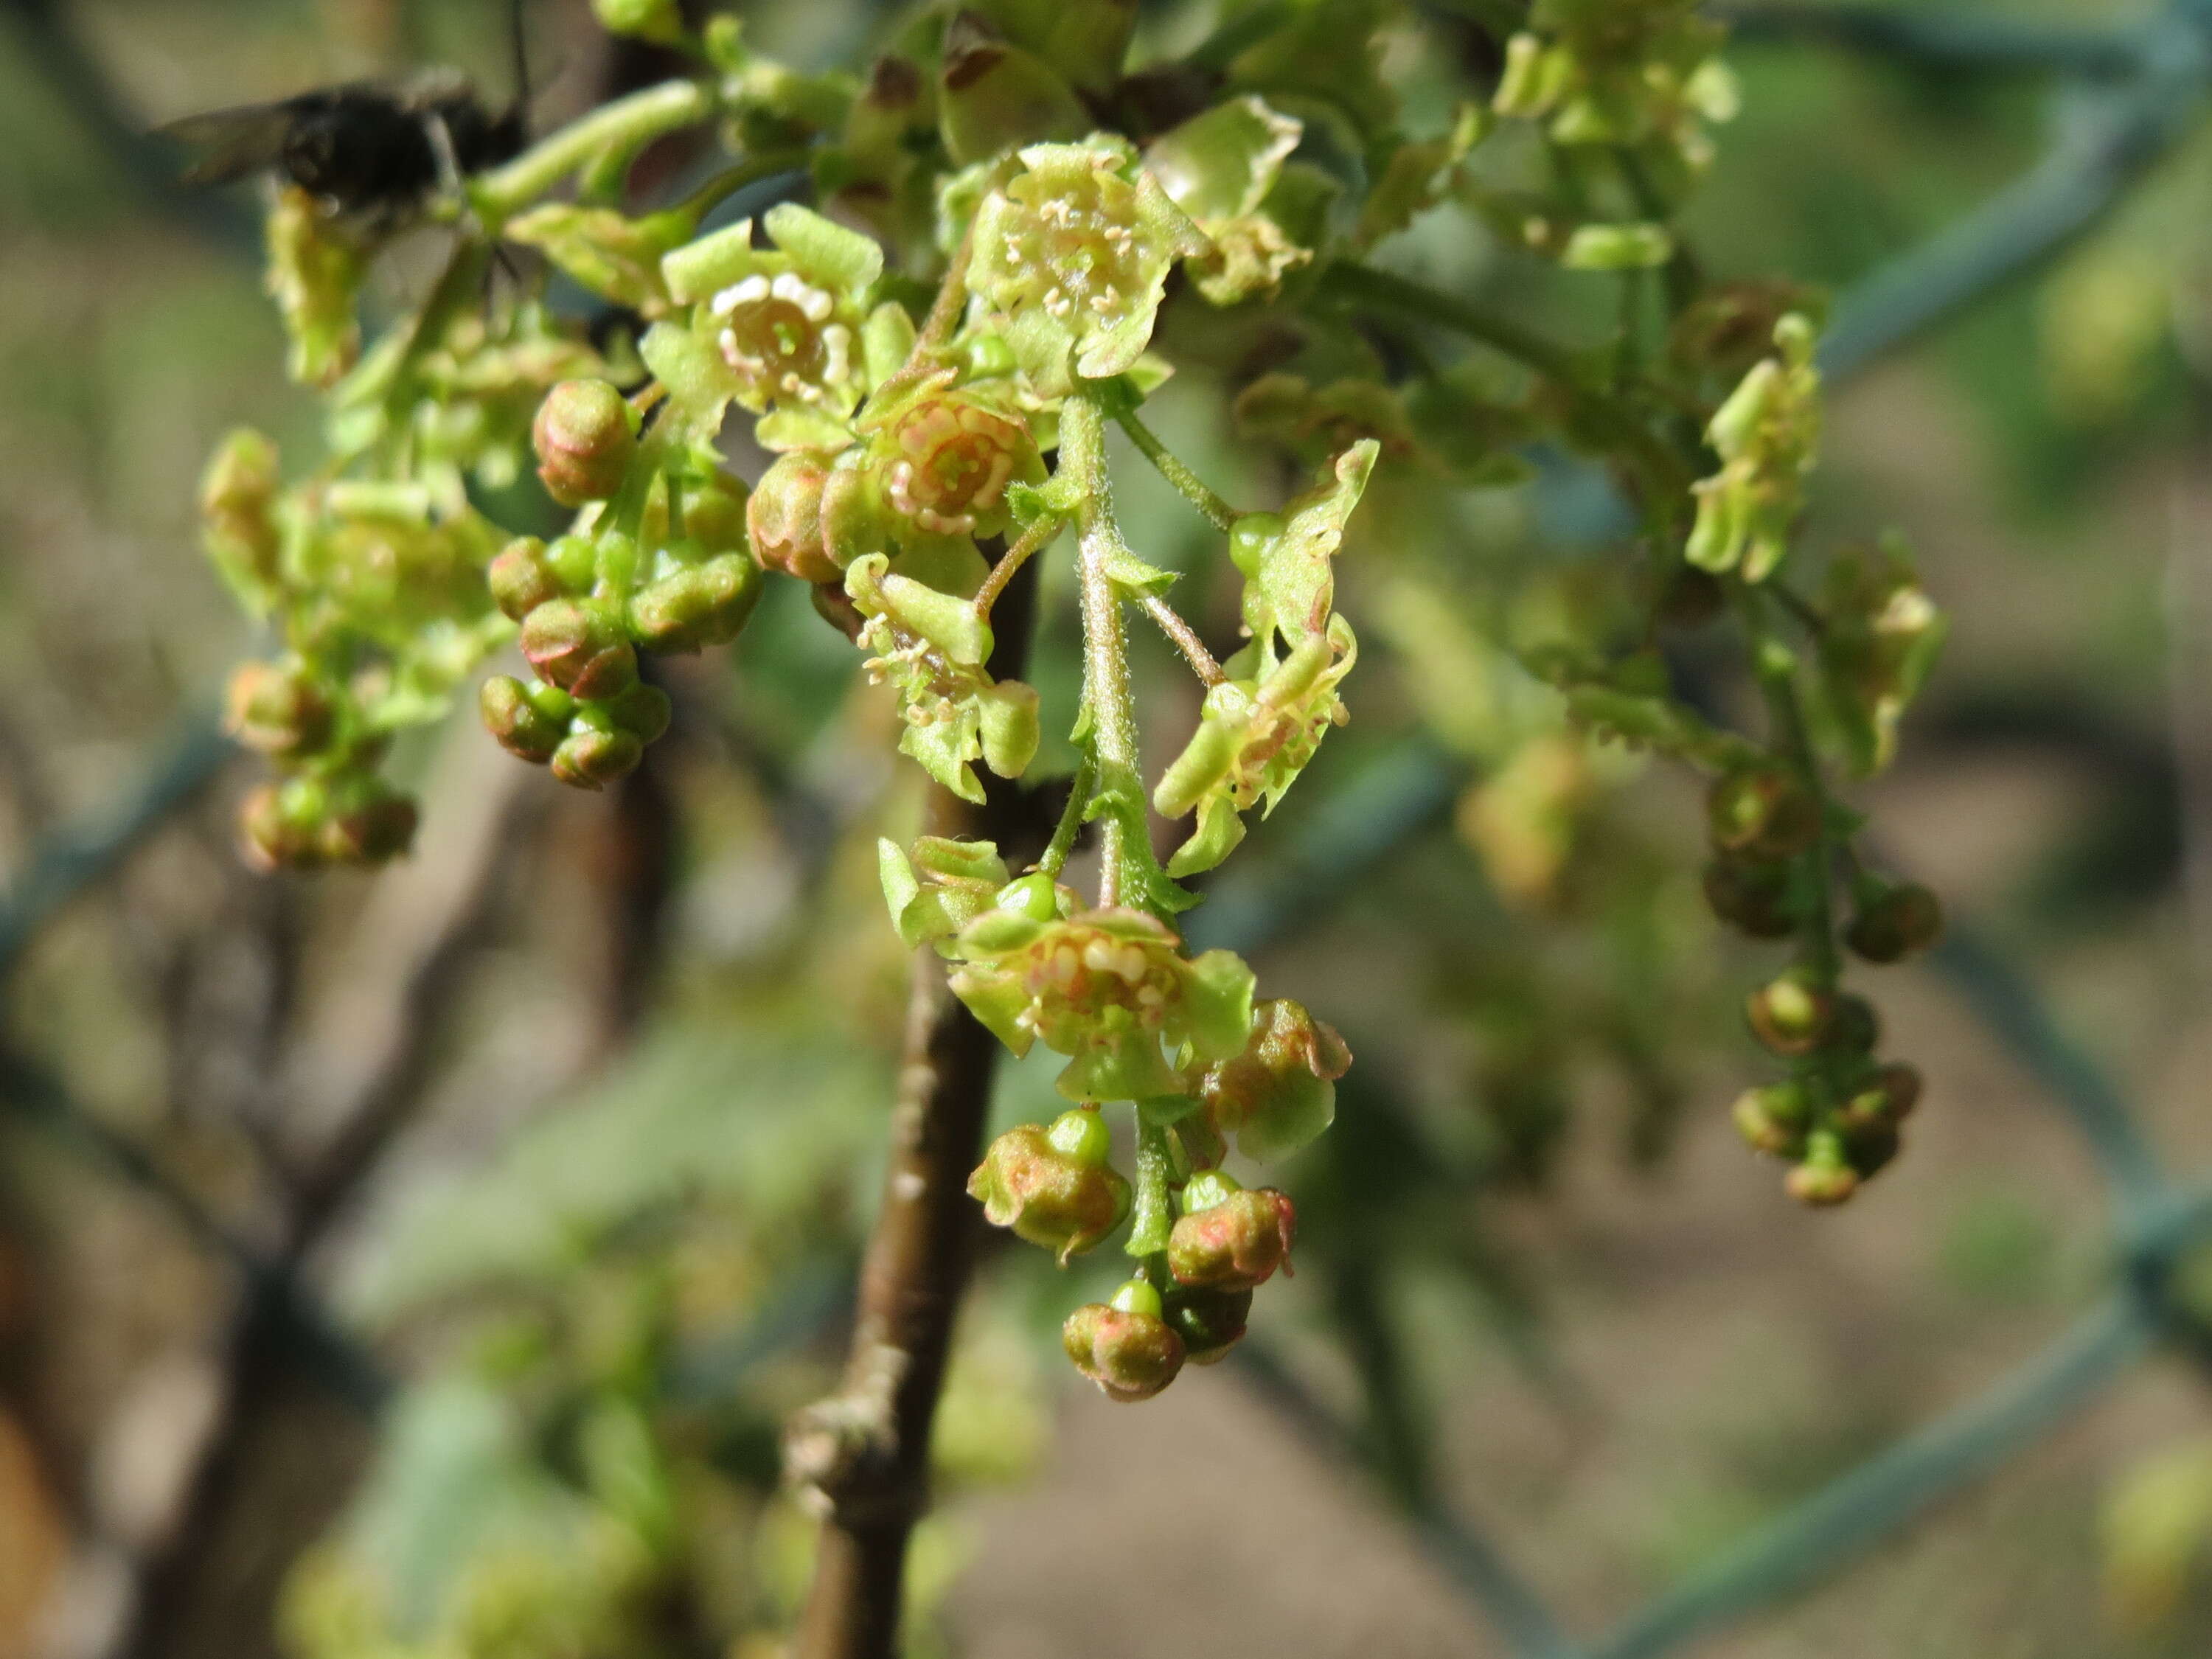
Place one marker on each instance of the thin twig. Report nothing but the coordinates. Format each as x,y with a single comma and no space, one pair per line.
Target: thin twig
1192,487
1185,638
1040,532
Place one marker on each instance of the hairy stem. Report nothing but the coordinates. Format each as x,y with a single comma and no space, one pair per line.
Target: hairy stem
861,1457
1106,691
1185,639
1218,512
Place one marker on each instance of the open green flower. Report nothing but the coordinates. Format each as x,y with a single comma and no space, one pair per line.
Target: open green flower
1620,72
315,272
1254,738
1289,579
1768,435
786,320
1073,253
1219,167
944,884
931,645
1106,987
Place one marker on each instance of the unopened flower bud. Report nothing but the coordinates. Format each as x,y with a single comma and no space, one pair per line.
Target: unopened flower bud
1052,1186
578,645
1750,896
784,520
593,756
1209,1321
523,727
1853,1027
1280,1093
522,578
277,825
1231,1239
1773,1118
705,605
644,711
584,442
1033,895
238,495
1886,1098
1900,921
1790,1014
1762,812
1125,1347
277,708
370,825
1826,1177
1871,1148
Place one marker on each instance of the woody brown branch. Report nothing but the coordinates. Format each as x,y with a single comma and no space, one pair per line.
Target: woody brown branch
861,1457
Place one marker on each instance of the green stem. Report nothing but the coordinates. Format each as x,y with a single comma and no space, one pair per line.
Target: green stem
1152,1214
1775,665
1192,489
626,122
1071,821
1107,696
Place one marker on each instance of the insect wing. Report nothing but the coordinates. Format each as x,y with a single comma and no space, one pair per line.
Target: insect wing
234,143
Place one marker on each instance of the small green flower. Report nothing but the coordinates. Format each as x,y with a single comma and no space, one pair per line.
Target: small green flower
945,884
1290,580
1054,1186
1220,169
931,645
1624,72
785,321
1254,737
314,276
1106,987
1280,1094
1073,253
1883,636
1768,436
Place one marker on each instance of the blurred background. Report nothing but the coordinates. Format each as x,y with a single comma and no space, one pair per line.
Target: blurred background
423,1264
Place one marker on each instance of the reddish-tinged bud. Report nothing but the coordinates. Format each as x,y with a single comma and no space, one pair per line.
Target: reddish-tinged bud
1752,898
277,825
584,442
1209,1321
578,645
1125,1347
592,756
1871,1149
277,708
1826,1177
524,729
1773,1118
705,605
784,520
1231,1239
371,827
1854,1027
1885,1101
523,577
1052,1186
1791,1014
1762,812
1898,922
1280,1093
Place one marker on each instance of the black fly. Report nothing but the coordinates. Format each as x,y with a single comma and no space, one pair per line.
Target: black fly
369,151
